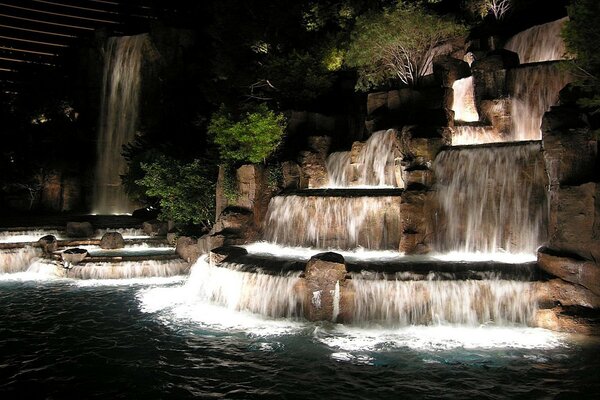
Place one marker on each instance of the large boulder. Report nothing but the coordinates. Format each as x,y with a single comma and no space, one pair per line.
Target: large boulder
48,244
220,254
578,271
557,291
80,229
74,256
448,69
561,320
155,228
188,249
574,222
325,277
112,240
234,218
570,147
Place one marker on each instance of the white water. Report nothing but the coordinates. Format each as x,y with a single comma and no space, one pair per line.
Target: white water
17,260
118,121
534,89
463,104
333,222
470,303
539,43
491,199
28,236
121,270
469,135
373,165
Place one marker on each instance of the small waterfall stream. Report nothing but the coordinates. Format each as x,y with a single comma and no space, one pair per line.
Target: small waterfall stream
118,121
463,104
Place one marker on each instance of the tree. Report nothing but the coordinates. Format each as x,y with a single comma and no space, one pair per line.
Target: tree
398,44
482,8
582,35
252,137
186,191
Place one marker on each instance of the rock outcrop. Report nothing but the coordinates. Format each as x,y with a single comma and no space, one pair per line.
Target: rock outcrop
325,278
112,240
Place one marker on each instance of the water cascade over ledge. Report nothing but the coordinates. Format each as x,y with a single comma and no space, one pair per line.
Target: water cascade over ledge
118,121
334,222
539,43
492,199
369,164
463,104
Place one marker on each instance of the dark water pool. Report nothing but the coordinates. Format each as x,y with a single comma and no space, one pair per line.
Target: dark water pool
59,339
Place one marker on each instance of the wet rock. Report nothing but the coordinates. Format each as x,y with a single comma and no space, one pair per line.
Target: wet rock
188,249
415,230
557,291
48,244
570,147
574,223
319,145
234,218
155,228
80,229
172,237
447,70
112,240
314,170
74,256
325,277
496,112
291,175
377,102
557,319
220,254
582,272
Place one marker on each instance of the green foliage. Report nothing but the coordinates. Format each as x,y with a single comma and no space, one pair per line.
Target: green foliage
274,176
582,35
230,190
186,191
251,138
398,44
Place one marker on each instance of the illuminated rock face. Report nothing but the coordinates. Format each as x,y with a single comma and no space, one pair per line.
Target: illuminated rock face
325,278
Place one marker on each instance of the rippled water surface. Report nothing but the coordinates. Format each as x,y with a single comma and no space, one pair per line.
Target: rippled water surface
60,339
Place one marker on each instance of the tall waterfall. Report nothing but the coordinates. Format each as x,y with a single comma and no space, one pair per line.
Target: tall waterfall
334,222
118,121
534,89
470,302
368,165
463,104
492,199
539,43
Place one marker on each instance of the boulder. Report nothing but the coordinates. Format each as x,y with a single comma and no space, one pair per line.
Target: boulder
558,292
187,248
291,175
234,218
447,70
377,102
74,256
325,277
570,147
112,240
314,170
220,254
48,244
574,220
80,229
155,228
557,319
578,271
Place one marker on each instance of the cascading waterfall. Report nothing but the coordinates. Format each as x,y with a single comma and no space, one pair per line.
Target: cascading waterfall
118,121
534,89
463,104
334,222
105,270
468,135
226,285
471,302
492,199
18,260
539,43
373,165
